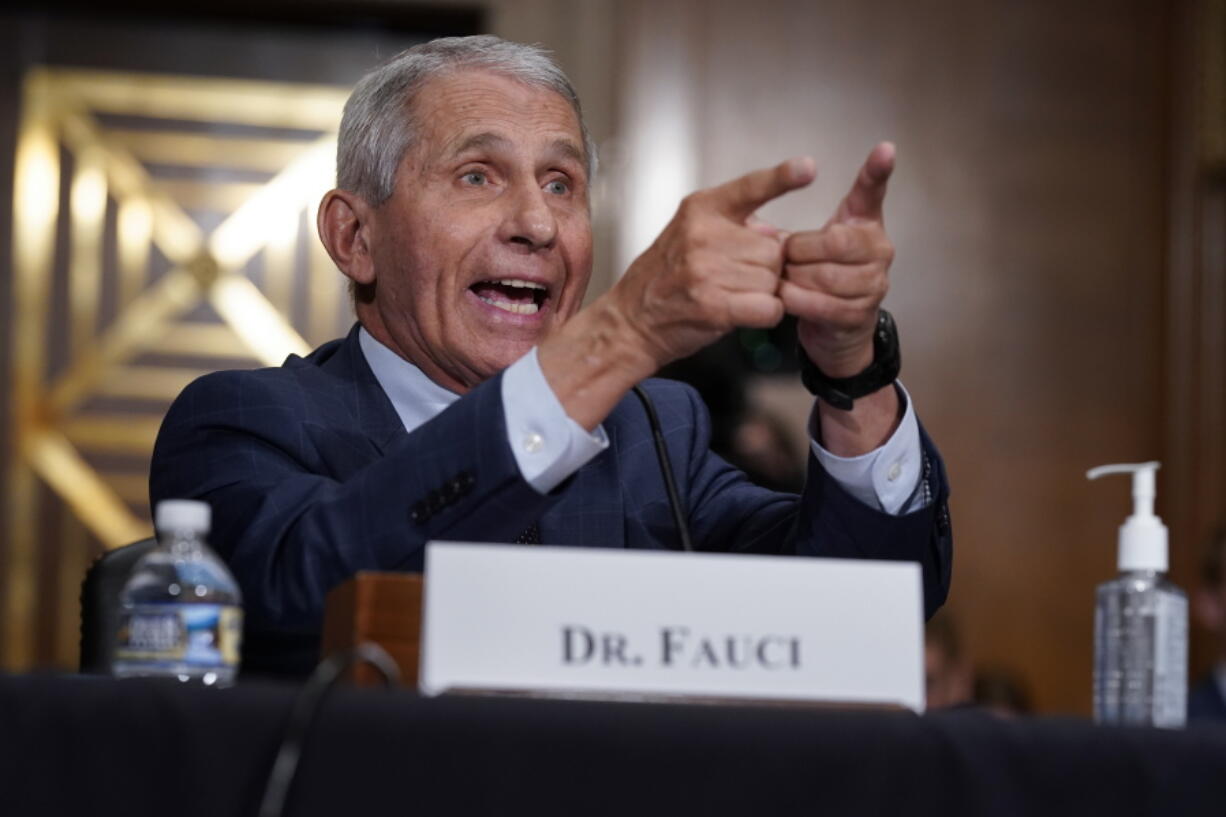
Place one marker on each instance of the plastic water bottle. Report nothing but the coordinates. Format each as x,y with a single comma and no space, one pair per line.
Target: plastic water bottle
1140,621
181,611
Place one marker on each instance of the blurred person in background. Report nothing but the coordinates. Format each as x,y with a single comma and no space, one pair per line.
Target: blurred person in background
1207,700
764,448
1002,692
948,677
952,679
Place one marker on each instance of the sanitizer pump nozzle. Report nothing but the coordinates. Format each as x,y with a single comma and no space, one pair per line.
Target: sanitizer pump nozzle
1143,537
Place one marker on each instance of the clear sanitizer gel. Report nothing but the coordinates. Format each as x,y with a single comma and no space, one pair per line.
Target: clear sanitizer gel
1140,621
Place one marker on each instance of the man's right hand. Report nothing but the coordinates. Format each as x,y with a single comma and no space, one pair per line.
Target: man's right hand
709,271
712,269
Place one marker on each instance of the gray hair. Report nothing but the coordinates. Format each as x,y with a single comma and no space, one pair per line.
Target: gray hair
378,124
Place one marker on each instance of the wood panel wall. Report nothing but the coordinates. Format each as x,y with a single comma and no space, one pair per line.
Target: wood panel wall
1195,371
1029,212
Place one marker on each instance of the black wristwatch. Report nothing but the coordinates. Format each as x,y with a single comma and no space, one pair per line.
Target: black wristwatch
841,392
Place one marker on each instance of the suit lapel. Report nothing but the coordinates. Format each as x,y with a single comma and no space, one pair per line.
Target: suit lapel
376,417
587,514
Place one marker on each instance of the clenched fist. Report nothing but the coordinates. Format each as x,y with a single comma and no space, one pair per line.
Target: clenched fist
836,277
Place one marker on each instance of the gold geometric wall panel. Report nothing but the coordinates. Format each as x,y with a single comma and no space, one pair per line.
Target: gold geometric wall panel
163,226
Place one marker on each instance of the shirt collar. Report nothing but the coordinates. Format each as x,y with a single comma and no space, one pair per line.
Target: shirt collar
416,398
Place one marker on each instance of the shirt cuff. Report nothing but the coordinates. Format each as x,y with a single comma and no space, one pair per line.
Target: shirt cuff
548,445
885,478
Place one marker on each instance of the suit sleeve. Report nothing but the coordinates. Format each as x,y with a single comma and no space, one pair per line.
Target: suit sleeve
299,508
729,513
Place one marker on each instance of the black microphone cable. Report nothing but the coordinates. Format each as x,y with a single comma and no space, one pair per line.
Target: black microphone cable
666,470
307,706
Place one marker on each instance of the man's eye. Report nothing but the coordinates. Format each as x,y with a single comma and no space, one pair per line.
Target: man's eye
474,177
558,187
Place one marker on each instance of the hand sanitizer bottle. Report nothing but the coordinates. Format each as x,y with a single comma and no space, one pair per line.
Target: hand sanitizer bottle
1140,621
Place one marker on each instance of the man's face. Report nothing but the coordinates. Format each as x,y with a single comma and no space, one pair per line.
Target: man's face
485,245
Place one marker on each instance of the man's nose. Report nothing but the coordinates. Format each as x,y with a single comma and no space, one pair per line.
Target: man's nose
530,221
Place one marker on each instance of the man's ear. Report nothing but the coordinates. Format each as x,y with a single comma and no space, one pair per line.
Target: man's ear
345,222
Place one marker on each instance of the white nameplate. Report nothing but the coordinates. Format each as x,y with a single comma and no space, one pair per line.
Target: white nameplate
588,621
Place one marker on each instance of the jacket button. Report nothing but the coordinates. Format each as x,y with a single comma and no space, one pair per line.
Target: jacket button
459,486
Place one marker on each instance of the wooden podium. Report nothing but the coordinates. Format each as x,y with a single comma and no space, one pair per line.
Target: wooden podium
381,607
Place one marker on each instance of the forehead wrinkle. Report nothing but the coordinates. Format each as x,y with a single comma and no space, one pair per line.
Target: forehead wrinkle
486,139
560,148
446,103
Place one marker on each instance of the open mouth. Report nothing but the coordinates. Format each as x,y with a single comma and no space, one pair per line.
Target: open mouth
512,295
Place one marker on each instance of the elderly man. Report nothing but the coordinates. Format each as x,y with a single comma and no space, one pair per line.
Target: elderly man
475,400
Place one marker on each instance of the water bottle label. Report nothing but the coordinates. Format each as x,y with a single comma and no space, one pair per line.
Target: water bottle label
195,635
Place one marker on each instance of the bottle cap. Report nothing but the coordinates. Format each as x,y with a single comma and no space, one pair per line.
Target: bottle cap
1143,537
182,514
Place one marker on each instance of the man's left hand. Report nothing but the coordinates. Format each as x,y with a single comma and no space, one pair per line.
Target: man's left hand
835,278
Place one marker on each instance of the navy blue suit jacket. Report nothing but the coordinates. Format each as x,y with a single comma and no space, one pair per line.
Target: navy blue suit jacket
312,477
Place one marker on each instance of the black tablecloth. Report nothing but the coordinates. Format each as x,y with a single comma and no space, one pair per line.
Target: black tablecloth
92,746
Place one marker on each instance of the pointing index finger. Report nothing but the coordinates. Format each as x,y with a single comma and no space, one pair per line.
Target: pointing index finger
866,198
739,198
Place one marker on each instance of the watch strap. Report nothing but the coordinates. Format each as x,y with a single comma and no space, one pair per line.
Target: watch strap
842,392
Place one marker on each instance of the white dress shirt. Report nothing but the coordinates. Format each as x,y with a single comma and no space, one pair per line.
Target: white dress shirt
549,446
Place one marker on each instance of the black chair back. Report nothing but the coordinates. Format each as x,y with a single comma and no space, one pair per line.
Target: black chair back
100,603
